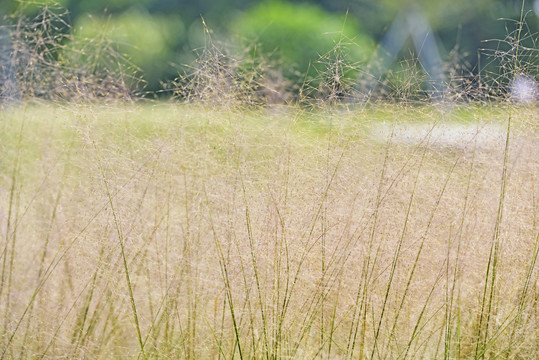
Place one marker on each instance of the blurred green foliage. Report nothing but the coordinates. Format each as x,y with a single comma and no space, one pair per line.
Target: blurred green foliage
298,34
159,36
147,41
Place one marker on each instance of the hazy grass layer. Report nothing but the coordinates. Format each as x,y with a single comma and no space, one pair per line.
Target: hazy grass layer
266,233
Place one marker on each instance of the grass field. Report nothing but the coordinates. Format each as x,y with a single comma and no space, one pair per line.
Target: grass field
175,231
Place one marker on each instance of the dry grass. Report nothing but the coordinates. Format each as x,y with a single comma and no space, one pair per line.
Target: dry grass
349,223
263,233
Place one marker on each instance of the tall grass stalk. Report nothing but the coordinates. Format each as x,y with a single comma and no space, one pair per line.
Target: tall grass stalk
122,249
396,256
450,294
10,236
224,273
490,276
361,310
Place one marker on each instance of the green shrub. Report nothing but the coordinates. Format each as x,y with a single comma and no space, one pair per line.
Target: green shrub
146,40
297,35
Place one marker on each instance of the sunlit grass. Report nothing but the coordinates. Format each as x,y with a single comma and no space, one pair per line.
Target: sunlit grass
279,232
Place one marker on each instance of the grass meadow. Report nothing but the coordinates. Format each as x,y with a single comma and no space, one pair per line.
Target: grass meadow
354,222
181,231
